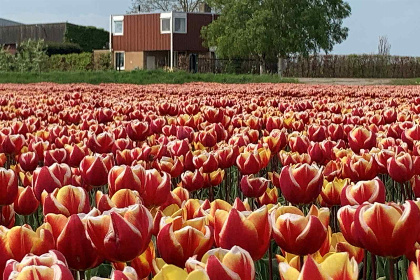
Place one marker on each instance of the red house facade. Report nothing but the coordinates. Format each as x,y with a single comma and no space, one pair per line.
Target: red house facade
155,40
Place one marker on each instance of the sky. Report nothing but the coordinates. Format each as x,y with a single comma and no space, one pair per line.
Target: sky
399,20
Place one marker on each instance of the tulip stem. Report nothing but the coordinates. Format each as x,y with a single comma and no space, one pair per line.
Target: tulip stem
211,195
301,260
373,262
270,261
365,259
402,188
391,269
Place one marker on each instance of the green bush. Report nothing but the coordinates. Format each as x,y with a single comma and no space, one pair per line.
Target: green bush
89,38
30,57
53,48
71,62
6,60
103,62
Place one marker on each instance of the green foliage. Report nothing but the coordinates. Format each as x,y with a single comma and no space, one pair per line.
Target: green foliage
30,56
87,37
71,62
103,62
53,48
276,28
137,77
6,60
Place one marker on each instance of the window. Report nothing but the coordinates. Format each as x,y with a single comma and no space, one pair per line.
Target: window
118,25
119,60
180,25
165,25
175,22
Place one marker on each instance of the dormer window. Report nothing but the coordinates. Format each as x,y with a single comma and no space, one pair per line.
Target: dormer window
173,22
180,25
118,25
165,25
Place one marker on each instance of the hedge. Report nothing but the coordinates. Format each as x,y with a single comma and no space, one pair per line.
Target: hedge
53,48
353,66
89,38
70,62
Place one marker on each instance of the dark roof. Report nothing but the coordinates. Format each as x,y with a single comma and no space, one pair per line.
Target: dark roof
6,22
49,32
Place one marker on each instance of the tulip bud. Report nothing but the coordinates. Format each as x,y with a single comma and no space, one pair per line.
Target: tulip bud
331,191
363,191
336,266
193,181
126,177
270,196
49,266
55,156
252,186
295,233
113,232
254,229
248,163
157,188
28,161
361,138
179,240
400,167
229,265
101,143
49,178
25,202
8,186
301,183
68,200
95,169
388,230
138,131
359,167
76,153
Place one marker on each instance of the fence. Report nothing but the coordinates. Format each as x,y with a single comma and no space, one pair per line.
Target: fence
320,66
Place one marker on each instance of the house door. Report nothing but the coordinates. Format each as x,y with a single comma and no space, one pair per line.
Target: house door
151,62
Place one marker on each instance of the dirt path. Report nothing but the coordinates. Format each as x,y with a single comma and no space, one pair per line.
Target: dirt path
344,81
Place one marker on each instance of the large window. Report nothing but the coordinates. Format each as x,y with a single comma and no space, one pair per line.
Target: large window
180,25
165,25
118,25
119,61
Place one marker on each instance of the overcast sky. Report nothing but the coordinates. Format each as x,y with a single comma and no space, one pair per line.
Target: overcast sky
397,19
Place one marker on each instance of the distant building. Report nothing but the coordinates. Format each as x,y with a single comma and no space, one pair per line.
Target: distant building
155,40
88,38
6,22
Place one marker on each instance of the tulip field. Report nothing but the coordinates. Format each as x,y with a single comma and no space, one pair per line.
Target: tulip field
207,181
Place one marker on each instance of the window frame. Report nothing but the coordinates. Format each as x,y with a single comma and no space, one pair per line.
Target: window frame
118,19
161,25
185,25
172,16
179,15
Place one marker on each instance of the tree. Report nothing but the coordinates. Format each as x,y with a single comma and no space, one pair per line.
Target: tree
384,47
270,29
164,5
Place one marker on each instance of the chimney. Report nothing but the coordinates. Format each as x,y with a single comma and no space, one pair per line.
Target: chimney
204,8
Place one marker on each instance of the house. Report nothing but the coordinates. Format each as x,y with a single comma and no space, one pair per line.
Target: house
88,38
155,40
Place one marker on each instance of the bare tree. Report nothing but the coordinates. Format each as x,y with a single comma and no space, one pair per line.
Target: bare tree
164,5
384,47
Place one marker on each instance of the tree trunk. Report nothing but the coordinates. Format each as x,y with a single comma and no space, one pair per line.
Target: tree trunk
262,66
280,66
